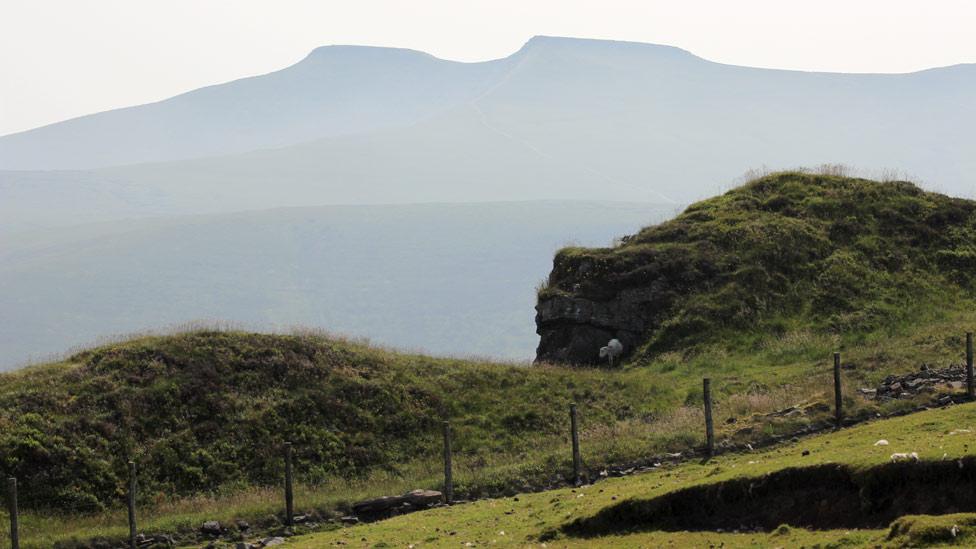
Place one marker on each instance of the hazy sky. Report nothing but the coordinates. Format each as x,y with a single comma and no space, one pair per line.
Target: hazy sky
64,58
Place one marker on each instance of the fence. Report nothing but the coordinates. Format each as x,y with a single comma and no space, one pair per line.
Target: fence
448,494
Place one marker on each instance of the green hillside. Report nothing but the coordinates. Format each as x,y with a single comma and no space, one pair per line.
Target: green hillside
205,411
791,249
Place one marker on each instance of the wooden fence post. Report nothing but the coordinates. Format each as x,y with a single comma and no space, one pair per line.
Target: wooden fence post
289,493
969,366
577,460
709,427
12,506
448,472
838,403
131,501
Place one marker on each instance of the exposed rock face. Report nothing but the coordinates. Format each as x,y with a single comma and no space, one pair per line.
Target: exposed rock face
573,329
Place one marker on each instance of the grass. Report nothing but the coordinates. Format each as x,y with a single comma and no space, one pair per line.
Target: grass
531,519
626,415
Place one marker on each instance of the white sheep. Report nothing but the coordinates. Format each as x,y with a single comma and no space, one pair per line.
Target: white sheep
895,458
613,349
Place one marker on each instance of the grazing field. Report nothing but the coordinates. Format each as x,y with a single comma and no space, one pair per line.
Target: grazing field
560,518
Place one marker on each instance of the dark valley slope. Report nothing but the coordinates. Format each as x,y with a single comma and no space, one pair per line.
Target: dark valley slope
451,279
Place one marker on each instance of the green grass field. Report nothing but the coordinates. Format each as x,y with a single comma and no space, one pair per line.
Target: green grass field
529,519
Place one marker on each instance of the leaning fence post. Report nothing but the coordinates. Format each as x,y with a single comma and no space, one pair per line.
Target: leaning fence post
577,460
12,505
709,427
131,501
838,403
448,473
969,366
289,493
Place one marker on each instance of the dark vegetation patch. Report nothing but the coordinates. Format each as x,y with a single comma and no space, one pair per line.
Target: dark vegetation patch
823,497
836,253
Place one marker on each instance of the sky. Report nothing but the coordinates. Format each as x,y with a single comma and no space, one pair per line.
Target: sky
65,58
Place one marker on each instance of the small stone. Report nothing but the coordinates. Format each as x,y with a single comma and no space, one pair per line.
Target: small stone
211,528
271,542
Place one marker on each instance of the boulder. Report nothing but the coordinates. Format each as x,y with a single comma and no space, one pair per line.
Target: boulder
211,528
411,501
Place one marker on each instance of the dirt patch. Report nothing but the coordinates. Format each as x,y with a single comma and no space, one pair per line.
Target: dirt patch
821,497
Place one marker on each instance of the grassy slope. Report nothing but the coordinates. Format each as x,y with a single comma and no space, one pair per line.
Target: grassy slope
524,521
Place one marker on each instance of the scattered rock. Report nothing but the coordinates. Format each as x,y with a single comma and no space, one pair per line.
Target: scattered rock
881,442
211,528
271,542
925,380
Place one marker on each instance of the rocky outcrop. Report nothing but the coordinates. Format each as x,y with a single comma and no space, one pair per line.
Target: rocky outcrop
788,248
572,329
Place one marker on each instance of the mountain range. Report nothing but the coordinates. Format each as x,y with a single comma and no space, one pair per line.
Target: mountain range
399,186
562,118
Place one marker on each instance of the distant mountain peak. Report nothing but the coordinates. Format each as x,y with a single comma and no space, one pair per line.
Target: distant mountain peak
597,44
363,53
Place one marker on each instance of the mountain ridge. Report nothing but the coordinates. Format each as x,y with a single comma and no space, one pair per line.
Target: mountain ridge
18,144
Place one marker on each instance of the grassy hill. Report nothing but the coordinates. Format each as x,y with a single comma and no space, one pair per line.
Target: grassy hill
206,411
825,252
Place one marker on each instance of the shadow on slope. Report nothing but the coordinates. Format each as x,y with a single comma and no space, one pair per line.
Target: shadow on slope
824,497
